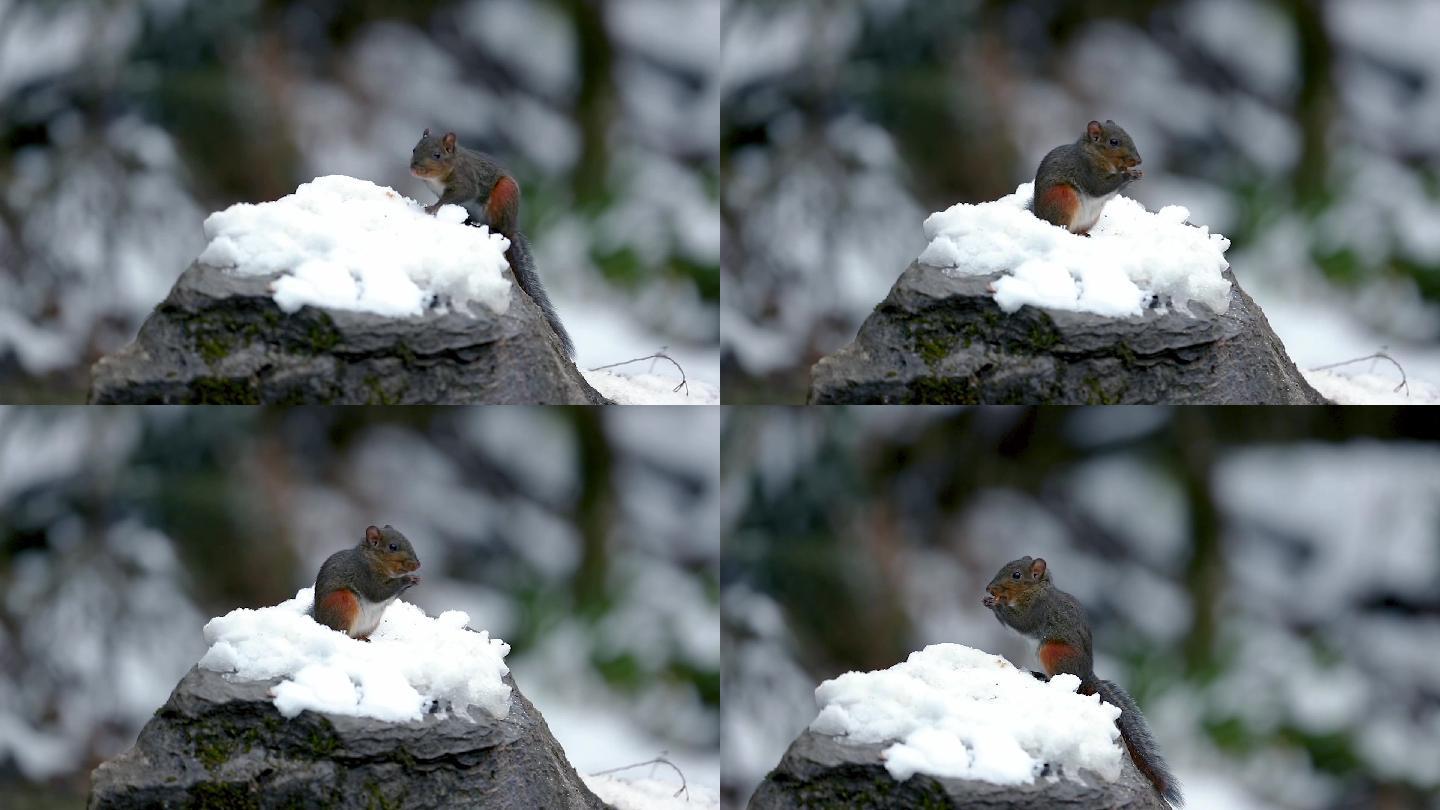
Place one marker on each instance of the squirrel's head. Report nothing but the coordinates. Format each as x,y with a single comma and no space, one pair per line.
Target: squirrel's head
432,156
1016,582
1113,144
391,551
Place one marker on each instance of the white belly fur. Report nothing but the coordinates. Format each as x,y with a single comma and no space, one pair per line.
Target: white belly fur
369,617
1089,213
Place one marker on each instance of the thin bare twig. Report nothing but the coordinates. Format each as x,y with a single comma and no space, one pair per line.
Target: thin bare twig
660,355
660,760
1376,356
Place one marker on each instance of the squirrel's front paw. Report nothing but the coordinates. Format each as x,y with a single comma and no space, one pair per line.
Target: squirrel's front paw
431,209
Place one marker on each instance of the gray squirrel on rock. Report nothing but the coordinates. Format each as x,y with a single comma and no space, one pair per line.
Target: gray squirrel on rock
1023,598
490,195
355,586
1075,181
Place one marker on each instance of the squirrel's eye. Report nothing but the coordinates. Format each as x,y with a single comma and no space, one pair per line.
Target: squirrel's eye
435,155
1014,574
394,547
1114,141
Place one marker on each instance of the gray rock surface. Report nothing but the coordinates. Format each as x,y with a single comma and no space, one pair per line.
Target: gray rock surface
938,338
220,338
221,744
821,771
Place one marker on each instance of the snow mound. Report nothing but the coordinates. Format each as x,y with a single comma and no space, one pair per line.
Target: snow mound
410,664
958,712
1131,259
344,243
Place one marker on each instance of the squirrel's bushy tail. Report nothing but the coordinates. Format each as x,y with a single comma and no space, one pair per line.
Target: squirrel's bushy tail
1141,745
523,268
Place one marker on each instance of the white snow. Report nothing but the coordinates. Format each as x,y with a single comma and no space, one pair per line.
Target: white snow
1368,388
1130,259
651,794
954,711
410,663
650,389
344,243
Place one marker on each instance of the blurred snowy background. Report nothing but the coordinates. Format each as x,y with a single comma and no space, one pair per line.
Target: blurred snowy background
1266,582
1307,131
587,540
124,123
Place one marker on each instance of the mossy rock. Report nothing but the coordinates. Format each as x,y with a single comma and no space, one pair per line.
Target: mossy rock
218,743
940,338
220,338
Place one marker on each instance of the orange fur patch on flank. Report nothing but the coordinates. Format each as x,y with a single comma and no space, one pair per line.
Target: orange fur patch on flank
503,204
1053,655
1059,202
338,610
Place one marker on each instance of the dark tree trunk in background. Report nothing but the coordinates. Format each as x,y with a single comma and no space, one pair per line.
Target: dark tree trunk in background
1205,569
1315,103
592,512
597,98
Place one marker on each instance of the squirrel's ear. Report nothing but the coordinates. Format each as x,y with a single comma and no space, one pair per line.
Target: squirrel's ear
426,133
448,142
1094,132
1037,568
372,535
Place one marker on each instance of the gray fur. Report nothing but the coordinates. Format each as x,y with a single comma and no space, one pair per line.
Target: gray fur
351,568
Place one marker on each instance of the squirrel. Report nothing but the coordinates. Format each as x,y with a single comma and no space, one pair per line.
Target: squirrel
490,195
1023,598
355,586
1075,181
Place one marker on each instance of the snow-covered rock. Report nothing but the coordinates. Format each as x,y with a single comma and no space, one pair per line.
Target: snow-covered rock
221,338
942,338
283,712
412,665
950,710
1002,307
346,293
343,243
1131,261
957,727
